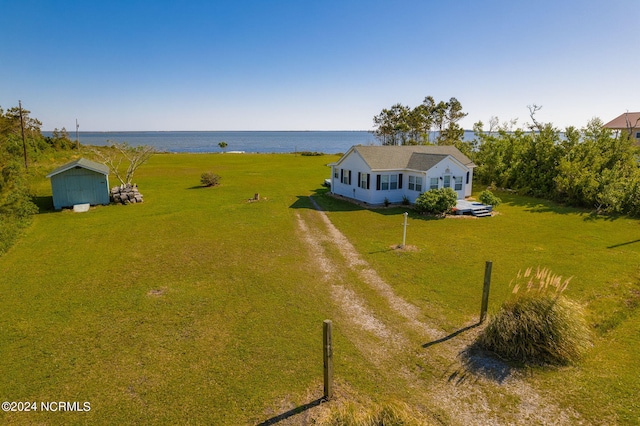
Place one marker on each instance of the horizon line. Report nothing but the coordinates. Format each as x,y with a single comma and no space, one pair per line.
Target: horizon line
133,131
195,131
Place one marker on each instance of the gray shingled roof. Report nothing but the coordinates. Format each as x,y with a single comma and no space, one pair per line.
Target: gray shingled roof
422,161
84,163
419,157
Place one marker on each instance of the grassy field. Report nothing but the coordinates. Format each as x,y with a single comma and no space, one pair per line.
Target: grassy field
200,307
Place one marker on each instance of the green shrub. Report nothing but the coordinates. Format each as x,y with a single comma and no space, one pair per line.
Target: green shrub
311,154
487,197
539,326
210,179
436,201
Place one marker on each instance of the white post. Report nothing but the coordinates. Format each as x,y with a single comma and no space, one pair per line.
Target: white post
404,233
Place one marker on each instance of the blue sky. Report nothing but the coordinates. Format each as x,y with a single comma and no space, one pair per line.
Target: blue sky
314,65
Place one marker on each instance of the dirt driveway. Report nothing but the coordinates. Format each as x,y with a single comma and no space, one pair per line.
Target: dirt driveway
391,335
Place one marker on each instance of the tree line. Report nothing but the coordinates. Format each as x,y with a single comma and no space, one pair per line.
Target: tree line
430,122
21,144
591,167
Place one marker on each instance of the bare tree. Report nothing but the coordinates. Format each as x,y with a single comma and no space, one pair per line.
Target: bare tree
532,113
120,152
494,124
631,126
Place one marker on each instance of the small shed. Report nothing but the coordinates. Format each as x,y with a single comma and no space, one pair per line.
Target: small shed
80,182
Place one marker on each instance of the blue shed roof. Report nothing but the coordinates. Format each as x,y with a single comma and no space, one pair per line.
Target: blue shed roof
84,163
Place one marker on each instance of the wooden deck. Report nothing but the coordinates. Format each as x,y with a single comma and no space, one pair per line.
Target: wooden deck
473,208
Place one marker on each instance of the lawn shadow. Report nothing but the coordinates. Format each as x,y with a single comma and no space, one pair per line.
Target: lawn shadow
293,412
623,244
475,362
44,204
540,205
324,201
309,202
594,215
451,336
479,362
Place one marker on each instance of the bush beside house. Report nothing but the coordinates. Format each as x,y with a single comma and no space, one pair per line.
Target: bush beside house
436,201
487,197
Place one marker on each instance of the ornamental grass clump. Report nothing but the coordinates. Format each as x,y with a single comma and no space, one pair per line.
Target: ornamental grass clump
539,325
390,414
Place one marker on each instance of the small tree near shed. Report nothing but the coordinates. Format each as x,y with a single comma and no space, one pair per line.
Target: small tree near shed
120,152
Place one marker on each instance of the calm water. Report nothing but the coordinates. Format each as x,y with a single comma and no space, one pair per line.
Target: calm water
329,142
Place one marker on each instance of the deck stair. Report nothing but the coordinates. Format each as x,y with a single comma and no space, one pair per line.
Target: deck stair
480,212
474,208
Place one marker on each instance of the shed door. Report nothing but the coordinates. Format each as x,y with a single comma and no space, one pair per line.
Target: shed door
81,190
84,186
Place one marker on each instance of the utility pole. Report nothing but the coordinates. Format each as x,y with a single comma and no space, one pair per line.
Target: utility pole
24,143
77,139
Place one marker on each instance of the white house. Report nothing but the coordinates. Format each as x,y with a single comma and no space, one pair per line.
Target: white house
372,174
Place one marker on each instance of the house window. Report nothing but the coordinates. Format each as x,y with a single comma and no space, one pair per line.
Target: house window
458,182
384,182
364,180
447,182
346,176
336,174
415,183
389,182
393,181
433,183
638,135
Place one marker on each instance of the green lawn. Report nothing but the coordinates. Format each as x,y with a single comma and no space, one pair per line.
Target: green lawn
200,306
444,277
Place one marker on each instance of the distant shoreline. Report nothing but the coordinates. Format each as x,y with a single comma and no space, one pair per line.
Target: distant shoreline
208,131
326,141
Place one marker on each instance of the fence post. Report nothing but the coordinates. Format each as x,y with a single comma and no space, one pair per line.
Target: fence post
485,291
404,232
327,341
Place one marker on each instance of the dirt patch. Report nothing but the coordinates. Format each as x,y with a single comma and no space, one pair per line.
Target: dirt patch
157,292
406,247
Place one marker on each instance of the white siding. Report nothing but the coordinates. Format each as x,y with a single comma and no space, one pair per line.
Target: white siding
378,192
355,164
450,167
